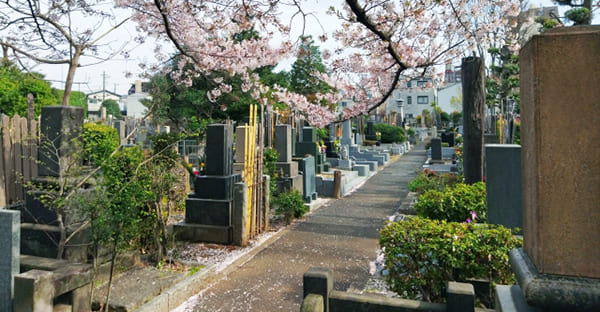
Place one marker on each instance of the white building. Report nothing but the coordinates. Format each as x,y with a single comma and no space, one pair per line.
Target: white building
410,99
131,103
94,102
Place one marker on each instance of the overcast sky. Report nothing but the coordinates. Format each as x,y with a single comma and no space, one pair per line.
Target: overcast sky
89,79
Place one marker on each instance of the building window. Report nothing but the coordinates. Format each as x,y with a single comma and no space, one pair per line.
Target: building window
408,100
422,83
344,104
423,100
409,84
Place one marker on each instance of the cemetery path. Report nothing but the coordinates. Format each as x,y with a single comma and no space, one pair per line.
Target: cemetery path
342,236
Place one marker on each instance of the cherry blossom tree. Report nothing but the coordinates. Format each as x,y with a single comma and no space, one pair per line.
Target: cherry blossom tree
58,33
386,41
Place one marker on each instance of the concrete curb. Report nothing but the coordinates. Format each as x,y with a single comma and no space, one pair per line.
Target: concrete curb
182,291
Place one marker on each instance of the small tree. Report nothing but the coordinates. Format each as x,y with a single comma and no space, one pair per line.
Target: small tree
112,108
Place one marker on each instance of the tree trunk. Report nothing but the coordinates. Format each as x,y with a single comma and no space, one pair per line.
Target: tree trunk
63,236
473,85
111,273
71,75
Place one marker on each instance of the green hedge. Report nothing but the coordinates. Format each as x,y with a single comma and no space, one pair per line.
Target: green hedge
420,255
455,203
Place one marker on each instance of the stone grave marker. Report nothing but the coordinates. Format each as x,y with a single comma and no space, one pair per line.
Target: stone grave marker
309,179
503,184
558,267
10,239
436,149
59,126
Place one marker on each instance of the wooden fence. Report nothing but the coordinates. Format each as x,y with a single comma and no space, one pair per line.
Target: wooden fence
18,157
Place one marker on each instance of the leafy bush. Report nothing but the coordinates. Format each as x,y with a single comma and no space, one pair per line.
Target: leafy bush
411,132
290,205
431,180
453,203
99,141
422,254
390,134
270,157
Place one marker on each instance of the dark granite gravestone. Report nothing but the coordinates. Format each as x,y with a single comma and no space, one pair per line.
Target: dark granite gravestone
448,137
503,184
59,126
10,222
208,211
219,153
370,133
283,144
436,149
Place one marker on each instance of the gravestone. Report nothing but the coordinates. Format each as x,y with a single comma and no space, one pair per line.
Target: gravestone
287,169
120,126
558,267
503,184
309,146
346,133
240,149
59,126
448,137
10,230
370,133
309,179
436,149
208,211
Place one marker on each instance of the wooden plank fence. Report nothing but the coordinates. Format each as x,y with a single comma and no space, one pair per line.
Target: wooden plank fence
18,157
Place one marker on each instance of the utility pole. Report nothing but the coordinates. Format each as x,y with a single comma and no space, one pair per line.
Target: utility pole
103,86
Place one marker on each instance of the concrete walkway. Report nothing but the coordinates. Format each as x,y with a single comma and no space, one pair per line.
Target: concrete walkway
342,236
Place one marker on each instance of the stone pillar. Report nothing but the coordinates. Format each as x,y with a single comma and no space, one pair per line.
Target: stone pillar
503,184
59,126
558,268
561,148
473,85
10,240
318,281
240,214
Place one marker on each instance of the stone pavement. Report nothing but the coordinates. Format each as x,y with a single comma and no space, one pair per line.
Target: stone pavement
342,235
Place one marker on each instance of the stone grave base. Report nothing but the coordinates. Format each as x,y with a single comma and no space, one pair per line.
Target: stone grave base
288,183
550,292
203,233
289,169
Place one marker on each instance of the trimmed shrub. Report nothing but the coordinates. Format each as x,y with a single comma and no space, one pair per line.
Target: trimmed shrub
454,203
420,255
390,134
430,180
290,205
